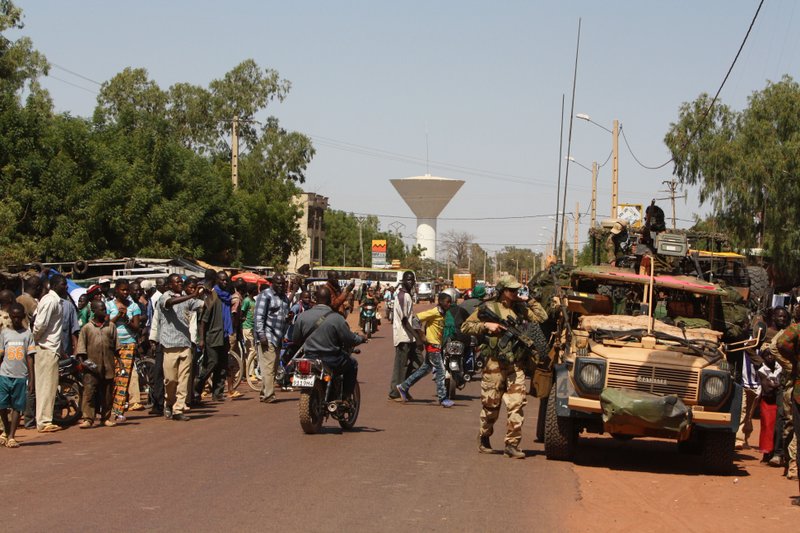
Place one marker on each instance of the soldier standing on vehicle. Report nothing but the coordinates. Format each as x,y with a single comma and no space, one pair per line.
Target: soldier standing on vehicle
619,235
504,375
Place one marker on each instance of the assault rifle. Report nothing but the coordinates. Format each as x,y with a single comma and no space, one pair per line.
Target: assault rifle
514,332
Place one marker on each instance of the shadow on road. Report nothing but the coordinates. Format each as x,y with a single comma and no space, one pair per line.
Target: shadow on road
644,455
335,430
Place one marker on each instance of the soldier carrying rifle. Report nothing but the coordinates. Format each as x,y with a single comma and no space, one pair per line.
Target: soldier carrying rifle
508,352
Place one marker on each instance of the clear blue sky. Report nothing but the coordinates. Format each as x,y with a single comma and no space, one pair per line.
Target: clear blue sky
484,79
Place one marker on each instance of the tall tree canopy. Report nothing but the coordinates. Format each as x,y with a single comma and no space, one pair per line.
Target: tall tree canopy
149,173
746,164
344,240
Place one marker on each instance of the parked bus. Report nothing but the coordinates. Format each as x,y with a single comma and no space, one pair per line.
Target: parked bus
386,276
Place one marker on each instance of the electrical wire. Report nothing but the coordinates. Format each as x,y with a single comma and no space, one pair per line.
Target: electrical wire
73,84
81,76
710,106
462,219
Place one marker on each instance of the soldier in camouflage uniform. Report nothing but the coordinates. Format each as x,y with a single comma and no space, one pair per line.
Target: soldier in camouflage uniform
788,347
503,375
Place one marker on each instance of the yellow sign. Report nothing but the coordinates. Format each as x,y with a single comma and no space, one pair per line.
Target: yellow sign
378,253
632,213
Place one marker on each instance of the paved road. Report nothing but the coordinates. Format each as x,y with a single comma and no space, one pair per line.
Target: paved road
243,465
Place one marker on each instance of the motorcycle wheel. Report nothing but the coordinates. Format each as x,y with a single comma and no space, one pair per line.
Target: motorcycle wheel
234,369
145,369
254,374
67,406
368,329
310,410
347,422
450,385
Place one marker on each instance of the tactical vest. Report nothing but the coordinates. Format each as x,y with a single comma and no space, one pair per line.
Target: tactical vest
504,348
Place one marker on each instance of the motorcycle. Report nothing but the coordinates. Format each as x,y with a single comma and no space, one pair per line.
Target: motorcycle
462,362
67,406
389,310
367,319
321,395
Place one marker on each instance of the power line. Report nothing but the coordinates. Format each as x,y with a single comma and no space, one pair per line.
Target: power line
710,106
73,84
520,217
68,71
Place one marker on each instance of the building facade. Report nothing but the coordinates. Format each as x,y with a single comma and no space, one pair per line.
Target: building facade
310,223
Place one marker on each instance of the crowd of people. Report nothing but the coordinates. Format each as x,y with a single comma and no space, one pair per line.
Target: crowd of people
768,388
189,326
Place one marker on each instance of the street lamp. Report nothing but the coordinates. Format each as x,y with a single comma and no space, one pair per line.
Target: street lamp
614,159
593,170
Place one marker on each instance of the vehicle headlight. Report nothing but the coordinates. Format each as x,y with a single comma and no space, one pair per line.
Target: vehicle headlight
590,374
454,365
714,387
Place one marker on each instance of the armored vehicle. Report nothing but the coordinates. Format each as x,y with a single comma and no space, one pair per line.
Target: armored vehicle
637,356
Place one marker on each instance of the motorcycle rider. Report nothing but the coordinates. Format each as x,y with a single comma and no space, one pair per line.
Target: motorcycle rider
370,298
504,374
327,337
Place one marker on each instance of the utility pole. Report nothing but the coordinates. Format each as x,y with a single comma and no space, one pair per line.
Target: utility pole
563,238
614,168
235,153
672,187
594,192
361,237
577,229
484,265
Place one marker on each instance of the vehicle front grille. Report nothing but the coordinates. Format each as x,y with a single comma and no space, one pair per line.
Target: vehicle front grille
657,380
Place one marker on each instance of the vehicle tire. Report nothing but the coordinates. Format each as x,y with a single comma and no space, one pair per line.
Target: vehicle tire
67,406
234,369
310,410
349,421
450,385
368,328
146,365
254,374
718,451
560,436
760,291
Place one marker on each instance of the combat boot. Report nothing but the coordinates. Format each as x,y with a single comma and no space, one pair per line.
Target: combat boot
484,446
513,452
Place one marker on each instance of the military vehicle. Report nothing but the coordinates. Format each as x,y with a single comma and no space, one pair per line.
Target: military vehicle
637,355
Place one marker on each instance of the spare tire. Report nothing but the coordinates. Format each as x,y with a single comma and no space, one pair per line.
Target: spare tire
760,290
80,267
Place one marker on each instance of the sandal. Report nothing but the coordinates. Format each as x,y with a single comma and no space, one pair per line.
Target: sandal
235,394
3,439
50,428
12,443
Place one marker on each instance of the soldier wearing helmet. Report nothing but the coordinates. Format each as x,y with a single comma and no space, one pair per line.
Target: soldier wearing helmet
504,375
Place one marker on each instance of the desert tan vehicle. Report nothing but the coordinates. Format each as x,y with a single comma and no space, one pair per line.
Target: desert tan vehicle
623,371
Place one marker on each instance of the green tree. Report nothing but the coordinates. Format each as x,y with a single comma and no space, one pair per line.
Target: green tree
746,164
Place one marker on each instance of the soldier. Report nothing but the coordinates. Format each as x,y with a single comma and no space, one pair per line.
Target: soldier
788,356
503,376
619,234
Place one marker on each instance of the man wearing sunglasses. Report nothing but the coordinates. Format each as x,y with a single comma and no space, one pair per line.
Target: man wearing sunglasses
503,376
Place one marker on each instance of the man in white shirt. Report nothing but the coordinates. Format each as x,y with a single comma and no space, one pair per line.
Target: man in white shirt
405,333
47,326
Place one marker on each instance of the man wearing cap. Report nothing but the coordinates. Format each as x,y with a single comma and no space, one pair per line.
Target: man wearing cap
503,376
619,234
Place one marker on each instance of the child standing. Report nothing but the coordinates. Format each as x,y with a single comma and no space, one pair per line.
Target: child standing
97,346
769,373
16,351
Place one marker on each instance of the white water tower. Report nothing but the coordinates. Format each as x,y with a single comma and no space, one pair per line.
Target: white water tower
427,196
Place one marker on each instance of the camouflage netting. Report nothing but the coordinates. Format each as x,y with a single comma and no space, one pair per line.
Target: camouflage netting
626,323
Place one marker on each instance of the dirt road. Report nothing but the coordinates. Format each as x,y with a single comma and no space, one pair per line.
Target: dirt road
243,465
